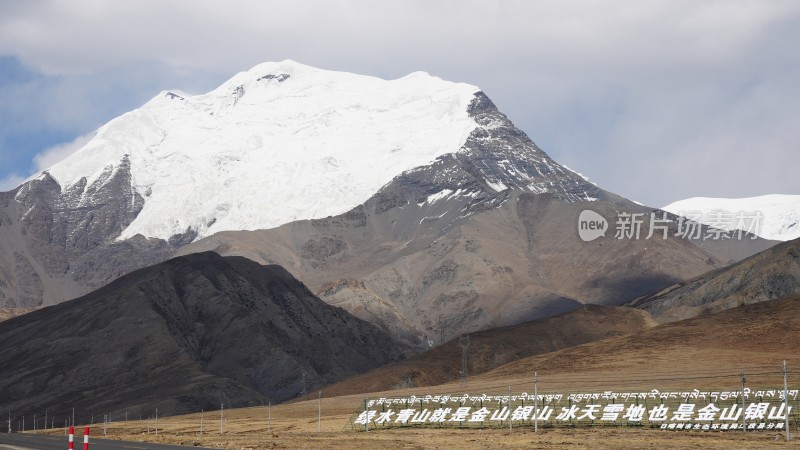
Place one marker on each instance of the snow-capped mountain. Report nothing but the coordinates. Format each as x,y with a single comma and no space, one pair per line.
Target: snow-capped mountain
775,217
275,144
280,142
283,142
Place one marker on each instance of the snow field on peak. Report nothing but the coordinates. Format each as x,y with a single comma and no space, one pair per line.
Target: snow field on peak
279,143
780,214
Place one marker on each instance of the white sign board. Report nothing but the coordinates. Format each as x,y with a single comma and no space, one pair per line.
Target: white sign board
682,410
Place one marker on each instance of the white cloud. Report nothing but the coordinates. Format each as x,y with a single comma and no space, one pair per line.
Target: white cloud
45,160
626,91
57,153
10,182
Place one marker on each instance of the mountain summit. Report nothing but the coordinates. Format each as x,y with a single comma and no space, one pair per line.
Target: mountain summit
279,142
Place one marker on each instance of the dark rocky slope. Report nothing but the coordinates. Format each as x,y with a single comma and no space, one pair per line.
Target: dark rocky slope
184,335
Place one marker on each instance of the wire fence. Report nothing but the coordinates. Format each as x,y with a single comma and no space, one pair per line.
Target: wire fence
759,404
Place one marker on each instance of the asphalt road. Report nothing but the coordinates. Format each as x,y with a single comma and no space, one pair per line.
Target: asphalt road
19,441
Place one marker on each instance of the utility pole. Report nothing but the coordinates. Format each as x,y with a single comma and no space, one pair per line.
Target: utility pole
786,403
510,426
744,425
73,416
156,421
463,341
221,416
45,418
366,422
202,413
535,404
269,418
319,412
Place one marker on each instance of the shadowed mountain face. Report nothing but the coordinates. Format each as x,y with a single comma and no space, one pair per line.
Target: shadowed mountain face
184,335
57,243
771,274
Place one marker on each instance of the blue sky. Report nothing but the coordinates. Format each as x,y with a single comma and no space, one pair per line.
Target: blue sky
656,101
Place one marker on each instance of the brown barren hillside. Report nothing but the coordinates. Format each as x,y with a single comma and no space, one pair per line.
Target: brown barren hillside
10,313
771,274
493,348
755,337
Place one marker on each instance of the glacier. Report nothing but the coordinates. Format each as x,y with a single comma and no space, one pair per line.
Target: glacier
277,143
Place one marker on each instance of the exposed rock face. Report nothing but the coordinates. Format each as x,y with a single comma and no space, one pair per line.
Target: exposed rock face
496,160
185,335
769,275
58,244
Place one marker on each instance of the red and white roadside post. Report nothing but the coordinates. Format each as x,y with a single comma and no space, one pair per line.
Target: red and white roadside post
71,434
86,438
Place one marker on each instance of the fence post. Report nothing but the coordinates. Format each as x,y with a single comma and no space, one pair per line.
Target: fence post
535,404
510,426
786,403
